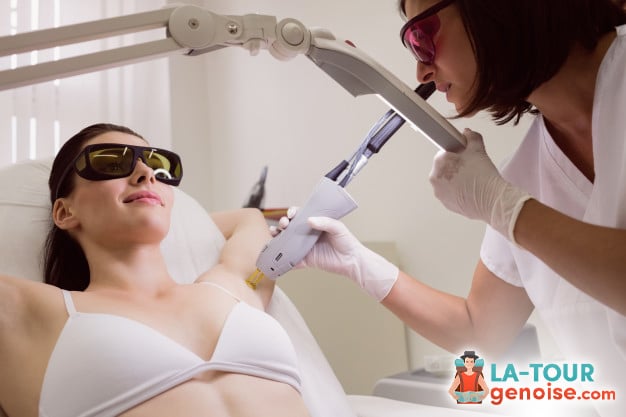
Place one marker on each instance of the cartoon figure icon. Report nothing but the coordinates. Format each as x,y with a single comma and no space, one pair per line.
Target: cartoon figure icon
469,378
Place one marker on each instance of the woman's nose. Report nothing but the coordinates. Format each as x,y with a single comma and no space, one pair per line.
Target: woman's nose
142,172
424,72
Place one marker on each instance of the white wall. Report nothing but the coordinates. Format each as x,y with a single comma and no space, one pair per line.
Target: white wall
233,114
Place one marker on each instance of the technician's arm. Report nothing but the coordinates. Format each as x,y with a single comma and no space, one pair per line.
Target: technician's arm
489,319
589,257
592,258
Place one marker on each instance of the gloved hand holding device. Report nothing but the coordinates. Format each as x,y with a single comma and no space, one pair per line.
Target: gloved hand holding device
468,183
339,251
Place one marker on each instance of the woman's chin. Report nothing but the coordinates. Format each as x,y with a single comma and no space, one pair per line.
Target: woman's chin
460,108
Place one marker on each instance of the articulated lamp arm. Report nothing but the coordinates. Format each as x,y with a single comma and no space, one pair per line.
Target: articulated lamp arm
187,30
192,30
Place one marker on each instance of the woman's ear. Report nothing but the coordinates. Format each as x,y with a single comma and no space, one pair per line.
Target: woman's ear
63,216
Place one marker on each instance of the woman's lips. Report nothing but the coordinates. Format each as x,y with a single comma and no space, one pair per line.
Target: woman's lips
144,197
443,87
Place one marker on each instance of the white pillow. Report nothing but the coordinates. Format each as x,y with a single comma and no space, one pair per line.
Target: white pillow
191,247
24,218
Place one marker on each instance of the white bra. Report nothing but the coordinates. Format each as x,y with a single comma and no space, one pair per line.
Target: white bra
105,364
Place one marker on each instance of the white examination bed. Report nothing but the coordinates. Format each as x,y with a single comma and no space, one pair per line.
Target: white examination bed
191,247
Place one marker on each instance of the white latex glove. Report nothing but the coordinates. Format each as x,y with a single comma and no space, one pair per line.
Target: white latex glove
468,183
338,251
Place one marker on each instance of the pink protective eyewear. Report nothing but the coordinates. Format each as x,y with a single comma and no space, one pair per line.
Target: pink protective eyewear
417,34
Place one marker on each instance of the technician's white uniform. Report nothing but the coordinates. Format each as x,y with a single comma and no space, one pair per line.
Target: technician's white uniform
584,329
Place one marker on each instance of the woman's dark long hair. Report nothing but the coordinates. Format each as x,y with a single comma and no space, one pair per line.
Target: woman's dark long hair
64,261
519,45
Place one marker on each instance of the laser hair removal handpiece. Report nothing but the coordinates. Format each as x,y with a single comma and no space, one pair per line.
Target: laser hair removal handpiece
329,198
284,251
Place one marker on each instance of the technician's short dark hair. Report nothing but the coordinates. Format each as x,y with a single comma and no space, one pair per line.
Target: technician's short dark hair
521,44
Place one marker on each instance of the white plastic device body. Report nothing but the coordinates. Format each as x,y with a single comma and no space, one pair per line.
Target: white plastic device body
291,245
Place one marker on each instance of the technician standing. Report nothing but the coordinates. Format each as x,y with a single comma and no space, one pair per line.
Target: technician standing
556,212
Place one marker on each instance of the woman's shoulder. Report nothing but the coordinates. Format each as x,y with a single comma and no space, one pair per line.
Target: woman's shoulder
9,282
30,320
24,300
31,315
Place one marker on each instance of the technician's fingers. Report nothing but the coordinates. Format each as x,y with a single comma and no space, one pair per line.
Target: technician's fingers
283,222
292,211
474,140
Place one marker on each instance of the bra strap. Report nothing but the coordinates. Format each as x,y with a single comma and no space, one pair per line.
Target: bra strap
69,303
221,288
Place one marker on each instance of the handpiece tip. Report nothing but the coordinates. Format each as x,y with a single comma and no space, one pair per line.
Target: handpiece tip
254,279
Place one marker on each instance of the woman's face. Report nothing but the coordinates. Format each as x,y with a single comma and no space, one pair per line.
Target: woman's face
133,209
454,67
